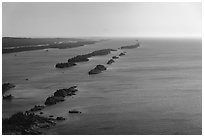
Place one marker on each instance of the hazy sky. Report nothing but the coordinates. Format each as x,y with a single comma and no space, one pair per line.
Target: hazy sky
101,19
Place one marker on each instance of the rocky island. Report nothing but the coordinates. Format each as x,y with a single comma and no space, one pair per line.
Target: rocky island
115,57
122,54
110,61
65,65
97,69
60,94
83,58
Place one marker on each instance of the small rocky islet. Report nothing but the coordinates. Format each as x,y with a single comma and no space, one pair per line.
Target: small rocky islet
97,69
74,111
60,94
65,65
122,54
110,61
115,57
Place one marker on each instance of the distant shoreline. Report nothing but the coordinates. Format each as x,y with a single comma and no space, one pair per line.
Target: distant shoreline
11,45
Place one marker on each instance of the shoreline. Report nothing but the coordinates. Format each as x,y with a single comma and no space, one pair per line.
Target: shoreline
13,45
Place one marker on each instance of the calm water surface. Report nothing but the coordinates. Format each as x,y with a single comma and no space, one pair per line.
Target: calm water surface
154,89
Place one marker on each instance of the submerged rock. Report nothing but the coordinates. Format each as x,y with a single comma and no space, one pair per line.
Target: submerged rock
110,61
97,69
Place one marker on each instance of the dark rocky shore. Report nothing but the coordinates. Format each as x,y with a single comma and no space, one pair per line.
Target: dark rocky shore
29,123
6,87
25,123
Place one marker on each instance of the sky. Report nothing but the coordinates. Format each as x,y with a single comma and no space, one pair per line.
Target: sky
123,19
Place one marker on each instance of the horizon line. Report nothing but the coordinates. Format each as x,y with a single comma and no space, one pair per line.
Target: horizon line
102,36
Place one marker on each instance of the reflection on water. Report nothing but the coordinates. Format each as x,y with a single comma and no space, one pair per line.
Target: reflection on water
155,89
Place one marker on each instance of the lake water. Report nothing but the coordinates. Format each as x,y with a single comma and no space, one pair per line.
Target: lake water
154,89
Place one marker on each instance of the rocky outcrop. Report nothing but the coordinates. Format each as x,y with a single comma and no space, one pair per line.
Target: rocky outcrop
60,94
71,91
110,61
79,58
122,54
74,111
7,86
115,57
37,108
53,100
65,65
97,69
101,52
25,123
66,92
29,123
83,58
60,118
7,97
